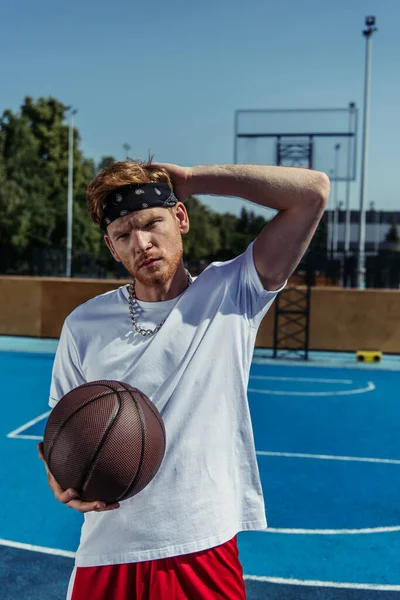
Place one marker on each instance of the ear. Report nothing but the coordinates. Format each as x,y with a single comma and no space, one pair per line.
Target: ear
182,218
111,248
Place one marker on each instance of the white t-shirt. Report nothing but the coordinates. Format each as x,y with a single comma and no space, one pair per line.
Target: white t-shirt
195,370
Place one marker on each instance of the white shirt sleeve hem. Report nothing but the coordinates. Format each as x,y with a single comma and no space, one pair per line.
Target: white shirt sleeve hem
255,278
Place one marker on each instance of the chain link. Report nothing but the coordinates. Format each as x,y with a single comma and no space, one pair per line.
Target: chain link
133,303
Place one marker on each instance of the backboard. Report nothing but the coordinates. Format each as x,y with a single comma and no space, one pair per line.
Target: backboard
320,139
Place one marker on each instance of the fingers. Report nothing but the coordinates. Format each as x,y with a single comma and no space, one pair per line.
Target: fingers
165,165
97,506
70,497
41,456
64,496
40,449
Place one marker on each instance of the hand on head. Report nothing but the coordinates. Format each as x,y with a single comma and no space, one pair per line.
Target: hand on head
180,177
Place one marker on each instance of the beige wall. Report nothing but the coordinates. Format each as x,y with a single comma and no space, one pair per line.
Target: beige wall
355,319
20,306
348,320
37,306
341,319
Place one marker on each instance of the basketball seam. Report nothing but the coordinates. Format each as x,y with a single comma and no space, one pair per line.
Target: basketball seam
64,423
155,413
141,419
103,439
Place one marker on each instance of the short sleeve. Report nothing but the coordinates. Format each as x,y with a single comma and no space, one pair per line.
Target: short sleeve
67,373
247,289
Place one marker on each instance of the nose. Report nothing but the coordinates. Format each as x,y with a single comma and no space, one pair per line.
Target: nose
142,242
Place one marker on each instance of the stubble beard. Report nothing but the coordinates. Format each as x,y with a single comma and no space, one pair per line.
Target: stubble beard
162,272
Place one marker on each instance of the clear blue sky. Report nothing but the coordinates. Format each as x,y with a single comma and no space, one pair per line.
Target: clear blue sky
168,76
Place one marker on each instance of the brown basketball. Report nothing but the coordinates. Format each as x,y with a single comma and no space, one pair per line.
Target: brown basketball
105,439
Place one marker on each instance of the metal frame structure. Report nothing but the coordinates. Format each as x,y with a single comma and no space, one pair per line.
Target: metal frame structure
294,151
296,139
292,308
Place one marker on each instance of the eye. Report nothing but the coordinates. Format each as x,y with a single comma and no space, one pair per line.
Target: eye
151,223
122,236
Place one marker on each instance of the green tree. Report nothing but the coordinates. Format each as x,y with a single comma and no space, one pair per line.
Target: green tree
203,239
256,224
105,161
393,234
243,222
33,196
34,169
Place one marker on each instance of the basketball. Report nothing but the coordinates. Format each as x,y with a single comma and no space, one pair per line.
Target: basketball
106,440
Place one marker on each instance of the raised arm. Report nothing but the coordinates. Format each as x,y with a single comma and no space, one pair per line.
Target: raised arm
299,195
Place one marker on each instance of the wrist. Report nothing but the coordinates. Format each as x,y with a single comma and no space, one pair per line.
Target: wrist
189,185
207,179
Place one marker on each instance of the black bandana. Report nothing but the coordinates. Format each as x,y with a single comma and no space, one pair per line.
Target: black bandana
129,198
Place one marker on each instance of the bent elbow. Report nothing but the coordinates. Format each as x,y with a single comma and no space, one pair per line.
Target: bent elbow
322,189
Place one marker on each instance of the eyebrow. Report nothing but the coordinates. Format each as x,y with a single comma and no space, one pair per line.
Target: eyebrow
141,223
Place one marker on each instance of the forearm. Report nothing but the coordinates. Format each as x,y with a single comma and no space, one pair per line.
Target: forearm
279,188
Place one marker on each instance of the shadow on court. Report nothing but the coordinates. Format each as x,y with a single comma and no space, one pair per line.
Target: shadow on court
272,591
329,454
35,576
30,575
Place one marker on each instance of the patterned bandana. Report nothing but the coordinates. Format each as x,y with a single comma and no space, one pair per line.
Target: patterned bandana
129,198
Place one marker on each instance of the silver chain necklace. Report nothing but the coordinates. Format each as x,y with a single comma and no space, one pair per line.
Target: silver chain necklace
133,304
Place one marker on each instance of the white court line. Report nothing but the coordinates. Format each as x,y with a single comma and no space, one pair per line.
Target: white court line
387,461
370,387
333,584
367,530
309,379
31,547
262,579
27,437
15,433
364,531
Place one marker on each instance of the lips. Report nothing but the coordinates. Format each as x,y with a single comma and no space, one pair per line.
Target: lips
149,262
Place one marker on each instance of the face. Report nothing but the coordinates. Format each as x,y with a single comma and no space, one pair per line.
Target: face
148,243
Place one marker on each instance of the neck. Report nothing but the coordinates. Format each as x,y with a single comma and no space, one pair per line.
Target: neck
165,290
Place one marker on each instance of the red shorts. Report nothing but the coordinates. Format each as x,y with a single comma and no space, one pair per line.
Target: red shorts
214,574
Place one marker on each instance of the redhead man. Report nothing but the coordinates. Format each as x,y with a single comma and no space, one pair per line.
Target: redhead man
187,344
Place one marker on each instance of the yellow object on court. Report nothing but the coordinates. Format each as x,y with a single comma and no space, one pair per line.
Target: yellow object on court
369,356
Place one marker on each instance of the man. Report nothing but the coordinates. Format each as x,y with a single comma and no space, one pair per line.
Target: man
188,346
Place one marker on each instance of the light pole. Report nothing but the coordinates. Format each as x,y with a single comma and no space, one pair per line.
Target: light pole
352,115
335,200
70,189
376,226
370,29
330,219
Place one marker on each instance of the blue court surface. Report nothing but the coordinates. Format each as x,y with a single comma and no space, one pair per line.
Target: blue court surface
328,446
